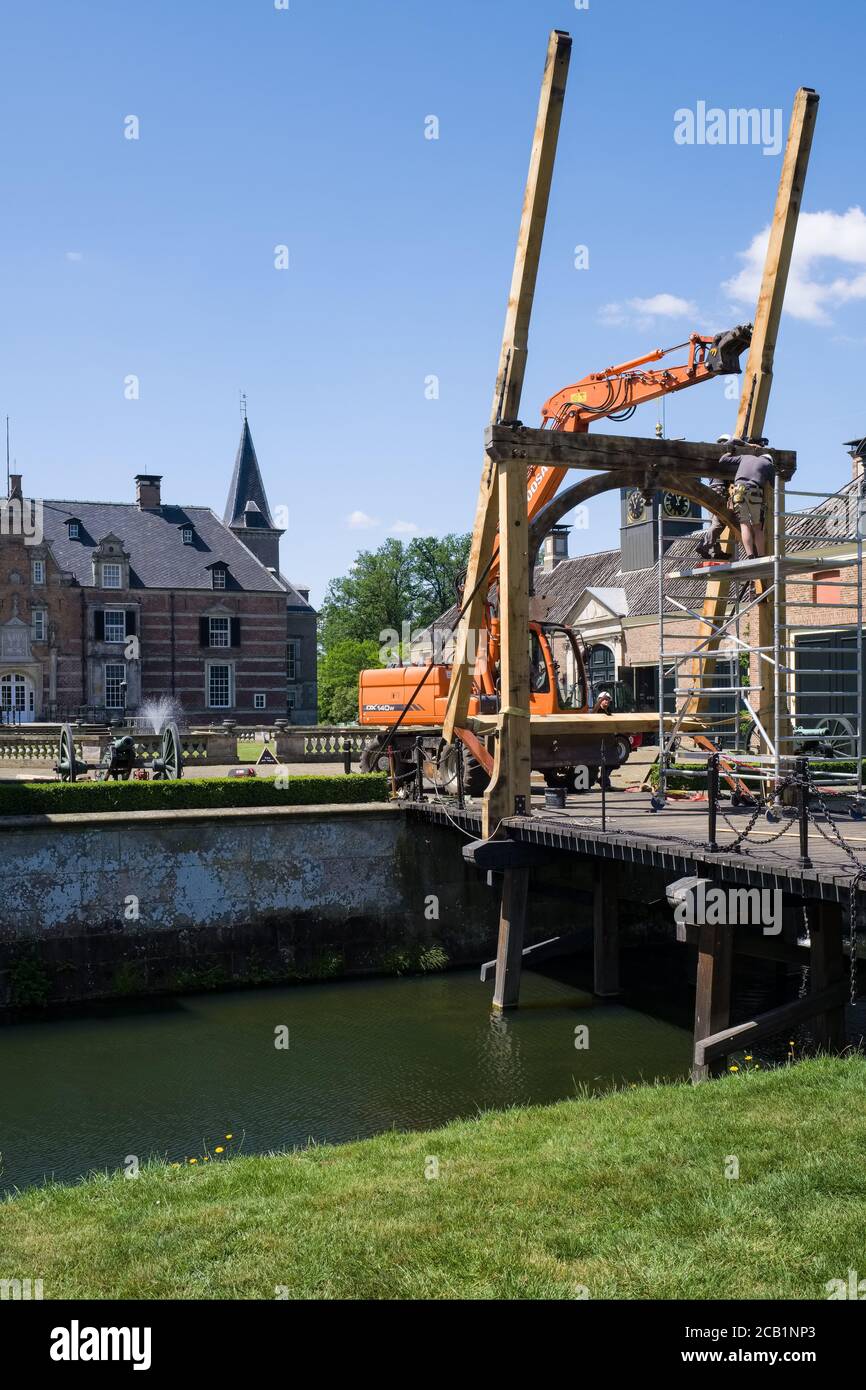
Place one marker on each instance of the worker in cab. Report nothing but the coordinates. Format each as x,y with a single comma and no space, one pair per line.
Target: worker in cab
755,471
603,705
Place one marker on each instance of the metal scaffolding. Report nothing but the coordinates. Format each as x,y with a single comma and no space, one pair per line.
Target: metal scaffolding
813,689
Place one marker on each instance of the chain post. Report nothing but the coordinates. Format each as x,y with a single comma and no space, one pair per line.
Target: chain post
712,801
803,811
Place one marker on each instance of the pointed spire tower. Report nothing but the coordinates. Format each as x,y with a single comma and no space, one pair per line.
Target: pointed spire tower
247,512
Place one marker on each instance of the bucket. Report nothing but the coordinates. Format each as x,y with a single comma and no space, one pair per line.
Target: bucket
554,799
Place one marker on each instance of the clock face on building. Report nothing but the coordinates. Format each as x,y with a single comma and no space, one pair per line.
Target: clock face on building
635,506
675,504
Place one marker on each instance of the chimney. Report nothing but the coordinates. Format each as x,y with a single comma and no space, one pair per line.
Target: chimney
304,592
148,491
15,487
554,548
857,451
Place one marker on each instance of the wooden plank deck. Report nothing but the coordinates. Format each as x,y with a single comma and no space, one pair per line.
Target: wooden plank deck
676,838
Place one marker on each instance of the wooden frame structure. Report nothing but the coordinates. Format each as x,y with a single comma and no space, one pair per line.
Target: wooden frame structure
615,462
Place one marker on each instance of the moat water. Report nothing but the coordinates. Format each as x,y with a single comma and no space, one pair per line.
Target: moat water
172,1078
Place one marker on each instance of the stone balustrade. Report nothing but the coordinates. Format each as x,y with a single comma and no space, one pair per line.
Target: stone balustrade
214,745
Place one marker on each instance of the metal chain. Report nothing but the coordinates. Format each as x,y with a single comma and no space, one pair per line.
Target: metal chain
740,837
852,886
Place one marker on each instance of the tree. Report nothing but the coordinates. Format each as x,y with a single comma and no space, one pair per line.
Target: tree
399,583
438,564
338,678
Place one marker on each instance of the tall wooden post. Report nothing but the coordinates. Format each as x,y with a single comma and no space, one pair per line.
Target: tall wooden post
512,929
605,929
713,989
758,379
512,364
510,783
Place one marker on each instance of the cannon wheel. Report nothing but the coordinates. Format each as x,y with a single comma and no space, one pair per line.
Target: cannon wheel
172,753
66,758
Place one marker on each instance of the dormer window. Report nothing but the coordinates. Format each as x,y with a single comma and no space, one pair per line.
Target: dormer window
218,576
112,576
73,529
187,535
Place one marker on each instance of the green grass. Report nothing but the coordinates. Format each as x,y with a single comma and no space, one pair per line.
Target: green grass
41,798
623,1195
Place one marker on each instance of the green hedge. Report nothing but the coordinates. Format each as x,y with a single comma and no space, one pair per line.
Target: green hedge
216,793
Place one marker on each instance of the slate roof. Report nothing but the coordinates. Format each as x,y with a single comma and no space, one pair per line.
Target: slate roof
295,599
247,487
158,557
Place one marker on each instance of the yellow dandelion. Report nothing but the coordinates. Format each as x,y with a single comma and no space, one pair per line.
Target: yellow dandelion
734,1068
175,1165
206,1159
219,1149
748,1057
229,1136
193,1160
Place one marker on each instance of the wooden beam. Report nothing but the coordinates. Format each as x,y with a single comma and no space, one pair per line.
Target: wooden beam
559,449
512,363
564,725
712,992
512,766
512,928
717,1045
758,376
605,928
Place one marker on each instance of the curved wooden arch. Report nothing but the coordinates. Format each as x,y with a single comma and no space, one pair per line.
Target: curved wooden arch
574,496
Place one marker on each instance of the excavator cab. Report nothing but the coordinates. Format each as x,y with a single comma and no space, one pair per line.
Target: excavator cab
557,679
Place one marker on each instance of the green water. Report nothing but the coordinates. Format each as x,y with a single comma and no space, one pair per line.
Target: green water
175,1077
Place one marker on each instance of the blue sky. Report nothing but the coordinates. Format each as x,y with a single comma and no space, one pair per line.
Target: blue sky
262,127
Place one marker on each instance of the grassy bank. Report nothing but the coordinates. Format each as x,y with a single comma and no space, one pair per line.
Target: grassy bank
624,1196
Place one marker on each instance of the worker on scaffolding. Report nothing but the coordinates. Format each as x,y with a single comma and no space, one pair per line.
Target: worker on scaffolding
709,545
755,470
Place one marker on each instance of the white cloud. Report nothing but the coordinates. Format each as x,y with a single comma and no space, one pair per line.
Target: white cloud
642,312
405,528
75,255
826,244
360,521
665,306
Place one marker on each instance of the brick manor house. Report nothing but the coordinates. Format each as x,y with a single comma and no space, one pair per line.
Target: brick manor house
119,603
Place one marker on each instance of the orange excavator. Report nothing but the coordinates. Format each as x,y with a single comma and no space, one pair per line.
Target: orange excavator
404,704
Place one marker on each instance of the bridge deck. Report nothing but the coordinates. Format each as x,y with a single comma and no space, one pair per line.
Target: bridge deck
676,839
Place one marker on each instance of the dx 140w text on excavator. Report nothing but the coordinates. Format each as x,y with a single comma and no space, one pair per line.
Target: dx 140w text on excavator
404,704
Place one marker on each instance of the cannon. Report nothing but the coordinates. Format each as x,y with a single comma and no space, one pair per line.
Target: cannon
119,759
